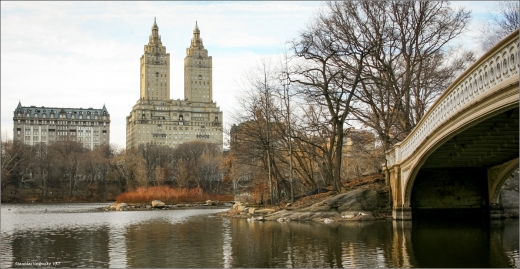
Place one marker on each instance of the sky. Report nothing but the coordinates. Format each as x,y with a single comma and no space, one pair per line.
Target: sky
86,54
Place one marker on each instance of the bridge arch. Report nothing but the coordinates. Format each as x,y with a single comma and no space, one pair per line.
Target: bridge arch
486,92
498,175
496,168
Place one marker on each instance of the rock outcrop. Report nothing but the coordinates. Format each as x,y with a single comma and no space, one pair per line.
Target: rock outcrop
158,204
357,204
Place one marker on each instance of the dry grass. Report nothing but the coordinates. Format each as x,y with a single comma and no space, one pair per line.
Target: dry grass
368,181
170,195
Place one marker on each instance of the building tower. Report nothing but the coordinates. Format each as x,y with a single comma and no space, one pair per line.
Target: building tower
157,119
197,71
155,68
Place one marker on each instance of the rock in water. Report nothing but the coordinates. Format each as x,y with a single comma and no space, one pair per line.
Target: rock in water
113,206
121,206
327,220
238,207
158,204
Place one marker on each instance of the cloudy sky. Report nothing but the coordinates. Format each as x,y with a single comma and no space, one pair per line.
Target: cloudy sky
86,54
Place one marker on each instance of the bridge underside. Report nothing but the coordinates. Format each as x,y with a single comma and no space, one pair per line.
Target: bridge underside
464,175
489,143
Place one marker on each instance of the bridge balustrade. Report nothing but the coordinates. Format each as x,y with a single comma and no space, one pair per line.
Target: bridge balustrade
492,77
496,66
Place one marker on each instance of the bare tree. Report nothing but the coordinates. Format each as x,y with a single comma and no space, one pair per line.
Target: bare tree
128,170
498,26
328,73
406,65
257,141
13,159
195,163
68,157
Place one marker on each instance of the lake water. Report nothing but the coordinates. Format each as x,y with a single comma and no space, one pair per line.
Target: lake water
77,235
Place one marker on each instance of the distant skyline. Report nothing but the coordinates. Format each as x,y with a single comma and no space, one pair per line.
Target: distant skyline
66,54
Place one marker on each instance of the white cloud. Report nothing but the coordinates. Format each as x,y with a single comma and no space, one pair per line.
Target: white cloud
86,54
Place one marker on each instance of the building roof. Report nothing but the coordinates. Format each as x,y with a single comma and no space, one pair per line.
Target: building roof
70,112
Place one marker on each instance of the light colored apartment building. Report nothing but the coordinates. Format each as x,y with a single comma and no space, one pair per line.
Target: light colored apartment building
88,126
157,119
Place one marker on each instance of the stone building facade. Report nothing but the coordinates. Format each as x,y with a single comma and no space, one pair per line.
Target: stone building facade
88,126
157,119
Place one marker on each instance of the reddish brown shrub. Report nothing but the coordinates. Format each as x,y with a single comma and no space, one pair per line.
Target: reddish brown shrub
169,195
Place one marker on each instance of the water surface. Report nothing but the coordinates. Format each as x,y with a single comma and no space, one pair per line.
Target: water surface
78,235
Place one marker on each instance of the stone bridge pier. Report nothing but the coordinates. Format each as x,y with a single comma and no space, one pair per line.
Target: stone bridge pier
461,152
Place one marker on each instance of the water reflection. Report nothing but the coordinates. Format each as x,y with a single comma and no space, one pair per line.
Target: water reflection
194,238
226,246
117,247
463,244
304,245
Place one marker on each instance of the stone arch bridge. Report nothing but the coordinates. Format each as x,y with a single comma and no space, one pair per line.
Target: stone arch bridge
461,152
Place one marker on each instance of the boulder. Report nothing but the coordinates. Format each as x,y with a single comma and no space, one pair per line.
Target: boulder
236,204
209,202
158,204
283,220
361,199
113,206
121,207
357,215
266,210
238,207
259,218
327,220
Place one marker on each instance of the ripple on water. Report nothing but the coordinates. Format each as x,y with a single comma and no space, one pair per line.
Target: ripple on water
192,238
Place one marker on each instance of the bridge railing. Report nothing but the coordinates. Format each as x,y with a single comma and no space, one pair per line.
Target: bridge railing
496,65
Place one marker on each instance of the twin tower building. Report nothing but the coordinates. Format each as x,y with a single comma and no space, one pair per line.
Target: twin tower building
154,119
157,119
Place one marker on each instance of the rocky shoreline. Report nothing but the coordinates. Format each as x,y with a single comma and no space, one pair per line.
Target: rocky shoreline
159,205
356,205
362,201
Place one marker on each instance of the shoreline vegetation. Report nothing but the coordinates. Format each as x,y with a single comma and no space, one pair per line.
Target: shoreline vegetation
363,199
170,195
